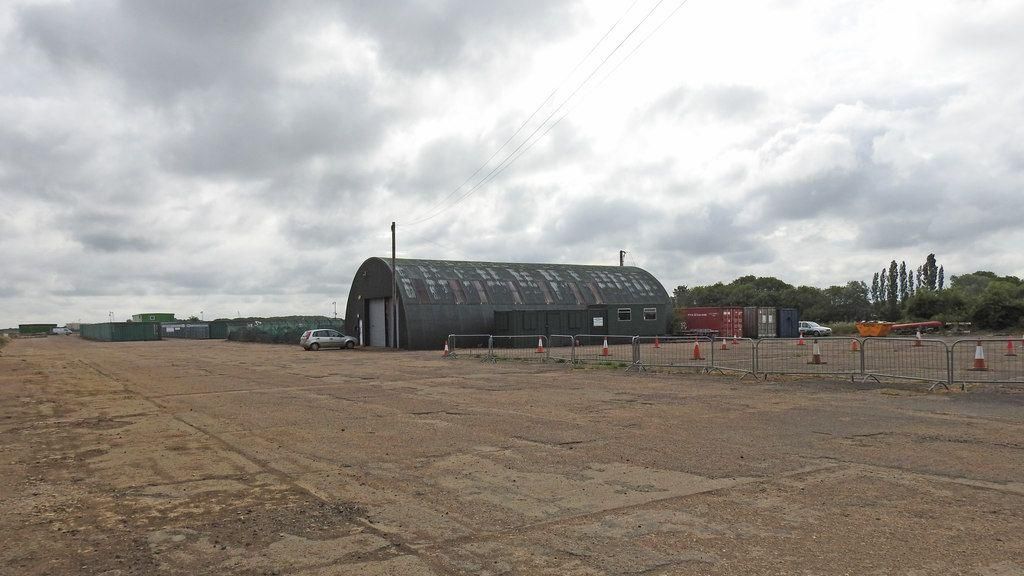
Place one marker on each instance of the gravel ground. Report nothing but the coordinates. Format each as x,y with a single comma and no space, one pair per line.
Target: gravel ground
189,457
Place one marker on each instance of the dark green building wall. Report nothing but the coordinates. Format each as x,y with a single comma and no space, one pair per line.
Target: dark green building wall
440,297
35,328
121,331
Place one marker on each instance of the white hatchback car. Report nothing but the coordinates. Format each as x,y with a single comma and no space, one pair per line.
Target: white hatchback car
325,338
814,329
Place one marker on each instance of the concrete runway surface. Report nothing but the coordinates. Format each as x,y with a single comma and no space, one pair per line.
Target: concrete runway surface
213,457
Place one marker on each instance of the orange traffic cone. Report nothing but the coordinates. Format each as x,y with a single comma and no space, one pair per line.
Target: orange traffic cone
724,342
979,359
854,345
917,341
816,354
801,342
735,340
604,349
540,345
696,351
1009,349
657,343
445,355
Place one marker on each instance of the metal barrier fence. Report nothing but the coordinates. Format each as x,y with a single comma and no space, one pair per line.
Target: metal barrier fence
906,359
600,349
674,352
527,348
469,345
817,356
735,355
562,348
987,360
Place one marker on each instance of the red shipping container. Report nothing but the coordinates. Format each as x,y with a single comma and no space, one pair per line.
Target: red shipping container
726,320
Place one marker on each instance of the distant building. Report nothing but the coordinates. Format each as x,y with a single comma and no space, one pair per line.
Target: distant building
441,297
154,317
35,328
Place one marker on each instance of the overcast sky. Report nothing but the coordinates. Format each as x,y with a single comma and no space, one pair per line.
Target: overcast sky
246,157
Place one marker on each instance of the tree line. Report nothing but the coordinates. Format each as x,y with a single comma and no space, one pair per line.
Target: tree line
896,293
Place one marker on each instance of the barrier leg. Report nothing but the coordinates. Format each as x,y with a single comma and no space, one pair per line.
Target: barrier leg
637,364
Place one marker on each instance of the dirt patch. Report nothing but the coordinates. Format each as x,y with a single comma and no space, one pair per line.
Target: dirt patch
219,457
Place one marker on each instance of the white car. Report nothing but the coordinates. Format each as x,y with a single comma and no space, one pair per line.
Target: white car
61,330
325,338
814,329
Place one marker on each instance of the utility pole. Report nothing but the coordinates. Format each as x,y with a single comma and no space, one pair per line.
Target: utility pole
622,257
394,291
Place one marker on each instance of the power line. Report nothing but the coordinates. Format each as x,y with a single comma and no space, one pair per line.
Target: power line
503,165
511,157
642,41
530,117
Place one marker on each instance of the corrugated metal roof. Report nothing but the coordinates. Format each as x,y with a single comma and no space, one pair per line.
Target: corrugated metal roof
455,282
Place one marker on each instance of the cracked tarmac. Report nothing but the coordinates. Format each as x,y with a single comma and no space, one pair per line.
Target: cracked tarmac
196,457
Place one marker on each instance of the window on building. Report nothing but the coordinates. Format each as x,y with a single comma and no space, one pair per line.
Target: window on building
650,313
625,314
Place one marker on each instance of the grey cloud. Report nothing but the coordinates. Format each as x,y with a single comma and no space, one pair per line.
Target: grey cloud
166,48
421,36
587,221
447,167
114,241
921,98
218,152
105,231
717,102
830,192
331,229
158,48
934,201
440,166
27,162
713,230
256,135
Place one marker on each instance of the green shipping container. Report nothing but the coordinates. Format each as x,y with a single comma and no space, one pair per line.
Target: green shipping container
35,328
121,331
219,330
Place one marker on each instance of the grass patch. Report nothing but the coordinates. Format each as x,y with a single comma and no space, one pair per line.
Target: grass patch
844,328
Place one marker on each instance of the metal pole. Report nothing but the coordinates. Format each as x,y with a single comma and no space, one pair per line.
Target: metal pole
394,290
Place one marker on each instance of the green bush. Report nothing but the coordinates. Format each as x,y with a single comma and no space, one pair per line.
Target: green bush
843,328
271,335
1000,306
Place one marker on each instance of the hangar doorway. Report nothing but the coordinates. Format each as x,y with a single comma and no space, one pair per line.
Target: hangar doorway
377,313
